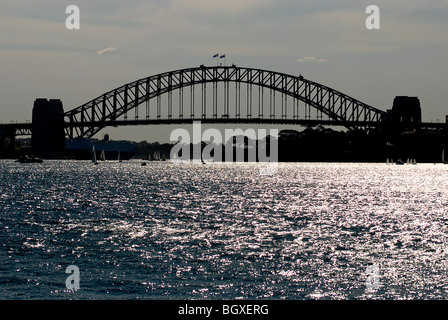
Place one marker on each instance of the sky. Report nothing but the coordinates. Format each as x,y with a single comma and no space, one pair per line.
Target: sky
122,41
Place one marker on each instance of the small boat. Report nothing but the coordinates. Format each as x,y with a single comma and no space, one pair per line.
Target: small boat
29,159
149,159
119,156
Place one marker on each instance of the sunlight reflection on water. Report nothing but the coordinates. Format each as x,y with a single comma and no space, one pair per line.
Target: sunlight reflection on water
223,231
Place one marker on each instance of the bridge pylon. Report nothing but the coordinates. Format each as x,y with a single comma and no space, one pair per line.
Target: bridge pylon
48,136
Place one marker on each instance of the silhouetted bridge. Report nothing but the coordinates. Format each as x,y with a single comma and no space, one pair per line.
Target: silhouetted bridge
220,95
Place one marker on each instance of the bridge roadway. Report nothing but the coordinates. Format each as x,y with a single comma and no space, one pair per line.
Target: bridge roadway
25,129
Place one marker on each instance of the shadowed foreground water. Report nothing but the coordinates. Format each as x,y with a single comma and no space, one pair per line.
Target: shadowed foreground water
223,231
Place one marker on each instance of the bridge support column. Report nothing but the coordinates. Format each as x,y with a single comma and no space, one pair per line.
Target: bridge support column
402,128
48,136
445,142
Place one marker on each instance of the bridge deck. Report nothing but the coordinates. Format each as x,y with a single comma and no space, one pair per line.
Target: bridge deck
25,129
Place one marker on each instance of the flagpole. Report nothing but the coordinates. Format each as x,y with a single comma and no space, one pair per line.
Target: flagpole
216,56
223,56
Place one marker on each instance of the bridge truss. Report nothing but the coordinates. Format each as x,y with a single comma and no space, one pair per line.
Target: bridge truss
220,94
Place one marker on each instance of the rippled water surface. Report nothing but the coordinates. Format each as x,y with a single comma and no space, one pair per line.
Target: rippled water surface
223,231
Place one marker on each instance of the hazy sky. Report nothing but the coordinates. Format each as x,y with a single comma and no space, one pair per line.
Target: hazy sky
121,41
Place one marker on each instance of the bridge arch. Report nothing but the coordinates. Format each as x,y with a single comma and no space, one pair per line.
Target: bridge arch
112,108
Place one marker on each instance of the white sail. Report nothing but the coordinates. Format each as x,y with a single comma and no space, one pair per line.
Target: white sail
443,155
103,156
93,155
119,156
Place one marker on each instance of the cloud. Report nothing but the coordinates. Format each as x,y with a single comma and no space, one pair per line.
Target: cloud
106,50
311,59
219,6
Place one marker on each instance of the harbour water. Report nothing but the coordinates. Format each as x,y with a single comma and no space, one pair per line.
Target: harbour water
223,231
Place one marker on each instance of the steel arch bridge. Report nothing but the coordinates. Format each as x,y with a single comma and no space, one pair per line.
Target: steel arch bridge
221,94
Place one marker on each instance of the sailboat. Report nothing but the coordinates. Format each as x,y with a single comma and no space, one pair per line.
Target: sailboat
94,161
156,156
443,157
103,156
119,156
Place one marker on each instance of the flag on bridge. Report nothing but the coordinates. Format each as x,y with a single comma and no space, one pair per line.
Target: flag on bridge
216,55
223,56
